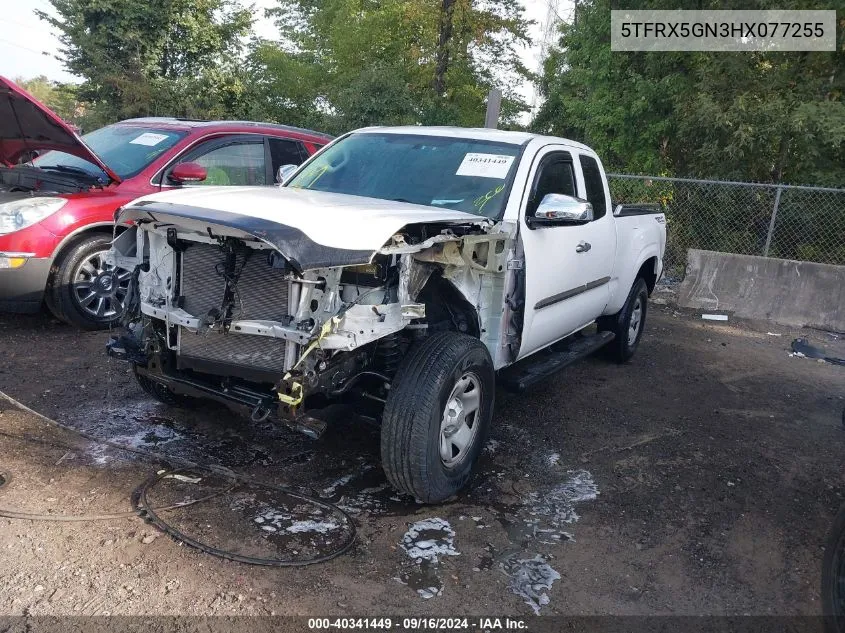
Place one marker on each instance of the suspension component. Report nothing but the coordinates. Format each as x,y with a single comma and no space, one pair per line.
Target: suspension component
389,353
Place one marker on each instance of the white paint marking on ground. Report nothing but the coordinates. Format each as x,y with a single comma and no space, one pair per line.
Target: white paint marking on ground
558,504
331,489
145,438
369,500
429,592
311,526
528,577
273,520
429,539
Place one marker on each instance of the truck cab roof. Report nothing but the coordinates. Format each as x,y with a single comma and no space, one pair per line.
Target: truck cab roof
475,133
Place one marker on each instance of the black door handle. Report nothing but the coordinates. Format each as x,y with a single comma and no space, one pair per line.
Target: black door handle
583,247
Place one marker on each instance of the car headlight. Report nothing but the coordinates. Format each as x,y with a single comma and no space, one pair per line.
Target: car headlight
19,214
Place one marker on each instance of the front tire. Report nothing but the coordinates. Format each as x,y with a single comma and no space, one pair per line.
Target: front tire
627,324
85,291
437,416
833,576
159,391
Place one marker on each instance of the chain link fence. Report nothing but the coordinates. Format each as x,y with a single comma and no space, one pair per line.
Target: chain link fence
785,221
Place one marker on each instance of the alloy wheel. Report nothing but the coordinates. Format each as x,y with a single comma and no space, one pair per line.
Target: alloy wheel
99,288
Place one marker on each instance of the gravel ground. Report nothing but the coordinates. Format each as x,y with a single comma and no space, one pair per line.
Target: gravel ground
698,479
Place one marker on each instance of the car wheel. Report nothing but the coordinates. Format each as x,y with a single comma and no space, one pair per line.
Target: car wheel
159,391
833,577
627,324
84,290
437,416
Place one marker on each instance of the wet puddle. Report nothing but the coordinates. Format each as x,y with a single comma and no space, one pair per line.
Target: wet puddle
198,435
532,515
251,520
544,516
368,493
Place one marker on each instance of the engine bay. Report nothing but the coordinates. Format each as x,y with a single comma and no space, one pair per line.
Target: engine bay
28,179
215,313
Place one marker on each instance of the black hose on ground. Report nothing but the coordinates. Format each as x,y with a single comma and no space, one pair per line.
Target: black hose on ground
142,509
142,505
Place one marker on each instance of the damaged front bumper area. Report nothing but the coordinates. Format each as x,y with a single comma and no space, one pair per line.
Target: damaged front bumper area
224,316
216,312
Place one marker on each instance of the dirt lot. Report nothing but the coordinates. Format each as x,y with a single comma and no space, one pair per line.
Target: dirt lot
698,479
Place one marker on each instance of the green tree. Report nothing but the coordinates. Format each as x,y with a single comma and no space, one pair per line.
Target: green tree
151,57
396,61
60,98
773,117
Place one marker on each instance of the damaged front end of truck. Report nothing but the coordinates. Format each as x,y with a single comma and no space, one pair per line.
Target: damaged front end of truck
257,315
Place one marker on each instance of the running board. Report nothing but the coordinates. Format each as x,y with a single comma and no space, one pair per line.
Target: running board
525,373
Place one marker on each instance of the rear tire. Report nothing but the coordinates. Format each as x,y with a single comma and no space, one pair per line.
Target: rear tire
83,290
627,324
833,576
437,416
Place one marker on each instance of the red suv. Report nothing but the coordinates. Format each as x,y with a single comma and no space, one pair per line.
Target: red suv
59,192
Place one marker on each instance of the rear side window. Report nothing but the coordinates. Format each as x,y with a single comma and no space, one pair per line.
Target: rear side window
594,184
286,152
234,164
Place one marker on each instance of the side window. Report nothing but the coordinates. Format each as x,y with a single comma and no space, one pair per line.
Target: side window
233,164
594,185
286,152
555,176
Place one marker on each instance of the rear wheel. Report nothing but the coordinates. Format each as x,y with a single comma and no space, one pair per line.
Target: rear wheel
627,324
84,290
437,416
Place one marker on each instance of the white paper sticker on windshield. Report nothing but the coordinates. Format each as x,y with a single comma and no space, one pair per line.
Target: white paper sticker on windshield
148,138
485,165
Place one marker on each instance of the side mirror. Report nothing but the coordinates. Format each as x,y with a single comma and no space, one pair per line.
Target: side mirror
285,172
557,208
188,172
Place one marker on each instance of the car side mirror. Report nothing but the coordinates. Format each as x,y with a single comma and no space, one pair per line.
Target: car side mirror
188,172
285,172
557,208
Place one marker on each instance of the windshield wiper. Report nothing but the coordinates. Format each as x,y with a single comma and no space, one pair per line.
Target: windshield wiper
71,170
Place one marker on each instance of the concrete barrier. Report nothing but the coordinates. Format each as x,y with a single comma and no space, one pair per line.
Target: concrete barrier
781,290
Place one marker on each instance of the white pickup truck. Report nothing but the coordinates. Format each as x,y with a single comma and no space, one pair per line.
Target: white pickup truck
400,271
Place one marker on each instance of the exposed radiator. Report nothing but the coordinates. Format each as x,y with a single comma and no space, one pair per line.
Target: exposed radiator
262,289
262,293
249,351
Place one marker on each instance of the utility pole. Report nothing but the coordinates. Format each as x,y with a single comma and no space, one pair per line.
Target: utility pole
494,106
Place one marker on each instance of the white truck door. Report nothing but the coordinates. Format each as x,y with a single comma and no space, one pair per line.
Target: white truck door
567,267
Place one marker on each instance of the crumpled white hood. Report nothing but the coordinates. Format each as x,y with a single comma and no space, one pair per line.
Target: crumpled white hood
330,219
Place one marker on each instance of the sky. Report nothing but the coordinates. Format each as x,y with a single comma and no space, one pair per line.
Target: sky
28,46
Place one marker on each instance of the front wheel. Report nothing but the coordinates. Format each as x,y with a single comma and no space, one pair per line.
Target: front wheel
160,392
627,324
84,290
833,577
437,416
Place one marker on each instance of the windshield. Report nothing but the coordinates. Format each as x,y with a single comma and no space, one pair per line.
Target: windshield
126,149
455,173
